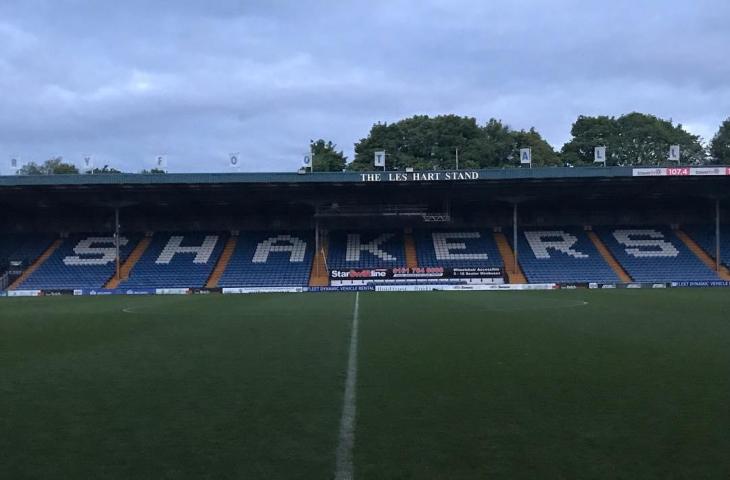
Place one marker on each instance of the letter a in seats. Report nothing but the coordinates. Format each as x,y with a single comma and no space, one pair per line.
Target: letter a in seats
280,243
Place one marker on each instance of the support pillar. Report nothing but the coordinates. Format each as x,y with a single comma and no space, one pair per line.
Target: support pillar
316,243
514,234
717,234
116,241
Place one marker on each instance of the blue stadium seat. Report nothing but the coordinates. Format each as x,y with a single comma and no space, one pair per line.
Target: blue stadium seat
365,249
176,260
560,254
704,235
654,254
457,248
23,248
270,259
82,261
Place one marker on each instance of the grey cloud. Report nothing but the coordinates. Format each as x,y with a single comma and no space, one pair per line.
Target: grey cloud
198,80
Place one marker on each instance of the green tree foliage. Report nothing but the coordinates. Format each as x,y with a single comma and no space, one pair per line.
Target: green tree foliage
632,139
426,143
105,169
53,166
326,156
720,144
543,154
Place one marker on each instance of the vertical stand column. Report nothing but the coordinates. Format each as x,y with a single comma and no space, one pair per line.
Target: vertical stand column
717,234
316,244
116,241
514,235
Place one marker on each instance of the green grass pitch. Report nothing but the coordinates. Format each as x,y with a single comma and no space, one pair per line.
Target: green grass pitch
580,384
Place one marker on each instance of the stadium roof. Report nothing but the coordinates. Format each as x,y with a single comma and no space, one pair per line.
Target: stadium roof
470,175
458,187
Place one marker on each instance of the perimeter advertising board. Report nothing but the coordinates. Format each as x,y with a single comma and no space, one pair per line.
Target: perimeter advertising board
681,172
418,273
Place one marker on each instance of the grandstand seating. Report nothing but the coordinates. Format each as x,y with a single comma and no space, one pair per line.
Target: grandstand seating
176,260
654,254
560,254
270,259
457,248
704,235
23,248
81,261
366,249
283,259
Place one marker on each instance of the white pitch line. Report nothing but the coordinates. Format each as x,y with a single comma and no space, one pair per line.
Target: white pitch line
344,469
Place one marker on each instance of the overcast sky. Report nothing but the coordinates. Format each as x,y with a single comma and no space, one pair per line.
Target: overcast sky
197,80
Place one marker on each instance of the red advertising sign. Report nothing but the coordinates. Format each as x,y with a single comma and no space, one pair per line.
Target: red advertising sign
678,171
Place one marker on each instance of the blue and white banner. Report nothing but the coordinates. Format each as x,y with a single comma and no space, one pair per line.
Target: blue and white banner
526,156
674,153
599,155
379,158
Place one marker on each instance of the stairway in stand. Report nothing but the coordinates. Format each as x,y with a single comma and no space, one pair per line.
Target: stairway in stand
410,247
129,264
34,266
695,248
222,263
609,258
320,277
515,275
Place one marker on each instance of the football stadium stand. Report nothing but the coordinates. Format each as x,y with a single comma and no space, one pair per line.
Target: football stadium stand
320,274
128,263
704,235
366,249
608,257
223,261
409,245
457,248
561,254
511,267
80,261
270,259
654,254
574,226
176,260
23,248
287,258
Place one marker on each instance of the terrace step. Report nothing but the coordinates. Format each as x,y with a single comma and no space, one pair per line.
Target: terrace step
129,263
514,272
319,276
609,258
695,248
35,265
222,263
410,248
